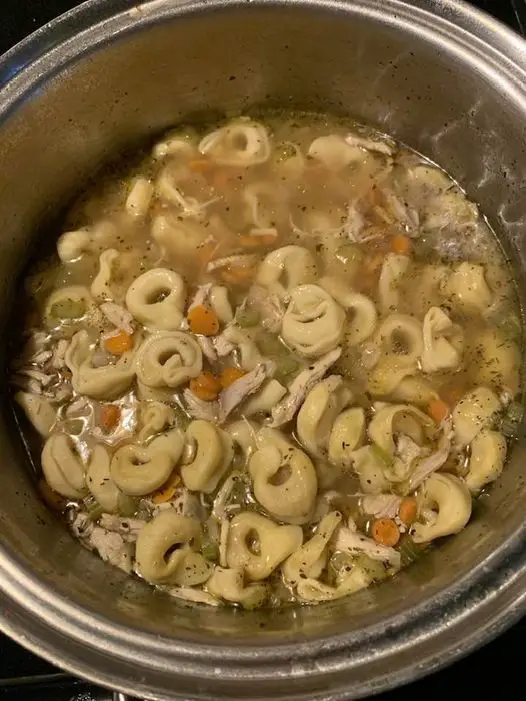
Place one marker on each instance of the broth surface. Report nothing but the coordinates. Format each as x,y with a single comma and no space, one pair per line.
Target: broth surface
270,362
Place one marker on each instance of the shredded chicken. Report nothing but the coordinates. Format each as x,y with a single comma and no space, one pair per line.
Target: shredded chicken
270,308
244,259
118,316
128,528
407,449
430,464
199,409
284,411
242,388
207,346
110,545
201,296
352,542
59,354
380,505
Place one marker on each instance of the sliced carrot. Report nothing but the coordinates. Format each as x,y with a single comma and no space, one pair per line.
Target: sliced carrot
205,386
168,490
407,510
385,531
238,275
118,344
203,320
109,417
401,244
438,410
199,165
257,240
229,376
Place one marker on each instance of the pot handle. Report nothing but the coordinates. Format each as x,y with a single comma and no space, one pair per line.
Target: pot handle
118,696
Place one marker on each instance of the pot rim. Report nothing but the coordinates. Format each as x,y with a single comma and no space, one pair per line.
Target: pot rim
485,601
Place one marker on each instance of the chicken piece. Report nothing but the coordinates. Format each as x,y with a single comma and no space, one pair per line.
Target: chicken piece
199,409
430,464
110,546
407,449
207,346
242,388
381,505
242,260
128,528
59,354
118,316
301,385
201,296
348,540
270,308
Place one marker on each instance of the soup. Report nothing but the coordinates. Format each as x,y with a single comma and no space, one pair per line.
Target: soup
270,362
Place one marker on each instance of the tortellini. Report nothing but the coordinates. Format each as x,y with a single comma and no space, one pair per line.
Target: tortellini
178,237
467,289
212,452
166,551
314,323
286,268
494,360
408,421
139,197
486,462
228,584
63,468
101,287
156,299
38,410
264,401
346,436
257,545
473,413
394,268
243,143
334,152
361,311
73,244
399,339
168,359
369,466
101,485
439,353
450,498
138,471
310,560
68,305
320,409
155,417
105,382
284,478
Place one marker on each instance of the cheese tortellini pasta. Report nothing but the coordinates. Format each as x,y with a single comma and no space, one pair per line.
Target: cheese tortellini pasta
314,323
275,360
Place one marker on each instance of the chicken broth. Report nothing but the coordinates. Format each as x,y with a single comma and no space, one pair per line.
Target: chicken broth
270,362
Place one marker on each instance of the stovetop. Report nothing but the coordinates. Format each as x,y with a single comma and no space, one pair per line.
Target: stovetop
25,677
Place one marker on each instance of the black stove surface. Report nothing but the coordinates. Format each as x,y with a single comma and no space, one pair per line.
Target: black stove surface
25,677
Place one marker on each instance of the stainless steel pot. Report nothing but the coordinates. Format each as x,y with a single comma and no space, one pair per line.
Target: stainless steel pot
439,76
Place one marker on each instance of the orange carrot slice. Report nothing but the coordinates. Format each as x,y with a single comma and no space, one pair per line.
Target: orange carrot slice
385,531
408,510
438,410
401,244
109,417
229,376
203,320
205,386
118,344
